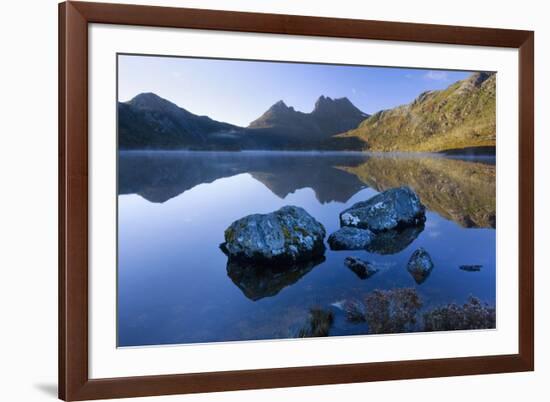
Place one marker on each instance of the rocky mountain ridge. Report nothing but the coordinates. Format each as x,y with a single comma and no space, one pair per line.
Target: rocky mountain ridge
462,116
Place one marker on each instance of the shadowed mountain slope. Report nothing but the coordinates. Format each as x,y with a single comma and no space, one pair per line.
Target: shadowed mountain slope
151,122
329,117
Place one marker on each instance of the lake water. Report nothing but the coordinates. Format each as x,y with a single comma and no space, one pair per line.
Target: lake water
173,208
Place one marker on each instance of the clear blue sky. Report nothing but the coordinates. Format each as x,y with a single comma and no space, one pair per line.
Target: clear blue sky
238,92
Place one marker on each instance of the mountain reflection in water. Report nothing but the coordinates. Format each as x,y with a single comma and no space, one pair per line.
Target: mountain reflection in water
160,176
176,286
460,190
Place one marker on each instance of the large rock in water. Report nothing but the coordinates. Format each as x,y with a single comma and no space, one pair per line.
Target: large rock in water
392,209
287,235
349,238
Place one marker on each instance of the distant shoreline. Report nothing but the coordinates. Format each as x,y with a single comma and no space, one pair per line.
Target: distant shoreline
472,151
483,151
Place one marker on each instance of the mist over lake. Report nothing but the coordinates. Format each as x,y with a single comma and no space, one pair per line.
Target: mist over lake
272,200
176,285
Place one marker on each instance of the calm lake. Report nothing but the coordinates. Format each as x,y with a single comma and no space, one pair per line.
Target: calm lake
173,208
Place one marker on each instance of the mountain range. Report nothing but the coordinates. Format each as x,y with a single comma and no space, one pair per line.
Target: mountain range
460,116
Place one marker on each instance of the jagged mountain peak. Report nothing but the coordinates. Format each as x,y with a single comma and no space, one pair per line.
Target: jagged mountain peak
328,101
323,100
322,104
329,117
281,106
341,107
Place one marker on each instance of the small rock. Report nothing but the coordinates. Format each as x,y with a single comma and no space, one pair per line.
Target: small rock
392,209
420,265
471,268
363,269
350,238
289,234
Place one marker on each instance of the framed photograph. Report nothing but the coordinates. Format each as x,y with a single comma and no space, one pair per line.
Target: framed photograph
259,200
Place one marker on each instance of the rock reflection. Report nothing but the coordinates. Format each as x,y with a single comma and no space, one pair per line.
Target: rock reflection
257,281
394,241
420,276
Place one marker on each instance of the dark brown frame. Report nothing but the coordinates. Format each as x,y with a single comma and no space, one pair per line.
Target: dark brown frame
74,17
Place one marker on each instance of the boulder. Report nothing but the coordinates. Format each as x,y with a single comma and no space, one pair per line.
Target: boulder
289,234
392,209
420,265
363,269
350,238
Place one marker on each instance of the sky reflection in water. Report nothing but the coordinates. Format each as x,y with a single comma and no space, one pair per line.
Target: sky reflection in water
173,282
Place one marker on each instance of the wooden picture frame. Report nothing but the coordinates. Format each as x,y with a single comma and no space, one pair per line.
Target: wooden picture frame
74,381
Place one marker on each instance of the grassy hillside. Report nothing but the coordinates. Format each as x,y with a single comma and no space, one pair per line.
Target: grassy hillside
461,116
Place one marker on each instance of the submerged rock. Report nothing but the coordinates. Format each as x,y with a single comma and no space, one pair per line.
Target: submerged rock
394,241
363,269
386,311
257,281
471,268
355,311
319,323
350,238
392,209
289,234
420,265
